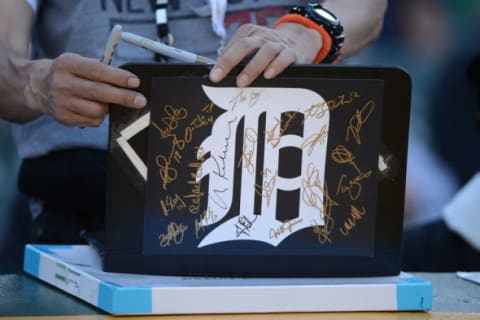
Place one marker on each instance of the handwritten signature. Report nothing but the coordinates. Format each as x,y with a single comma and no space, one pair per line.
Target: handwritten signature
282,126
167,173
249,147
170,203
244,225
321,200
284,228
342,100
269,181
319,110
314,139
171,119
358,120
219,158
311,185
195,196
208,217
251,99
175,232
342,155
352,186
203,119
323,232
355,216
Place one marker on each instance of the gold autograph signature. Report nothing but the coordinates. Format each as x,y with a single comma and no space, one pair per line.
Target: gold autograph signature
285,227
282,126
355,216
323,201
164,163
172,202
196,195
318,110
249,147
175,232
352,186
205,219
242,96
358,120
266,189
314,139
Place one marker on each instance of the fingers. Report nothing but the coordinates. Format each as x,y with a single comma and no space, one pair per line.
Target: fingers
240,46
71,110
102,92
78,90
82,112
94,70
270,54
283,60
88,108
87,78
270,60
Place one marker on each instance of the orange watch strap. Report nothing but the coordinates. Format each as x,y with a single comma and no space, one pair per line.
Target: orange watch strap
326,38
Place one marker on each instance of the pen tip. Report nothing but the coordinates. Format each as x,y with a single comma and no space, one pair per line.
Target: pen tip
117,28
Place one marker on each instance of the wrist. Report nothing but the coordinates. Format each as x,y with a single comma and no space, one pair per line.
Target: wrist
322,41
34,87
13,105
325,23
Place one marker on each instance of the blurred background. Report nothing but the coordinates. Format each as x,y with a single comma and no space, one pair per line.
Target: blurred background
434,40
10,240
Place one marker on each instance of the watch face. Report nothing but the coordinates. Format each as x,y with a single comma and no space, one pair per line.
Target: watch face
326,15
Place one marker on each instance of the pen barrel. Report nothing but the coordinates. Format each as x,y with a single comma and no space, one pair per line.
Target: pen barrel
159,47
113,39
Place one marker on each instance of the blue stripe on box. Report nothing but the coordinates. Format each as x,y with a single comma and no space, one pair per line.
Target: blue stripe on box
414,294
105,296
121,300
33,253
31,260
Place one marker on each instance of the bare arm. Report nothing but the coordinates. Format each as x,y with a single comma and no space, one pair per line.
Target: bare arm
72,89
275,49
15,25
362,21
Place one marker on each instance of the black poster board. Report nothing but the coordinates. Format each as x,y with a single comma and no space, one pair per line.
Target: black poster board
300,176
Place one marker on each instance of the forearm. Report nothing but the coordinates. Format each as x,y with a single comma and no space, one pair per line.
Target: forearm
362,21
14,84
15,68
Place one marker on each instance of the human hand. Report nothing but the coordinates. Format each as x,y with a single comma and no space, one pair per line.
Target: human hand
271,51
76,91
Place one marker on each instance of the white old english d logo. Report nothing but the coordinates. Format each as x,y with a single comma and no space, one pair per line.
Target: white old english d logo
248,104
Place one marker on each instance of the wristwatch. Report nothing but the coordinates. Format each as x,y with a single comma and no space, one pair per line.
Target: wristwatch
330,23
